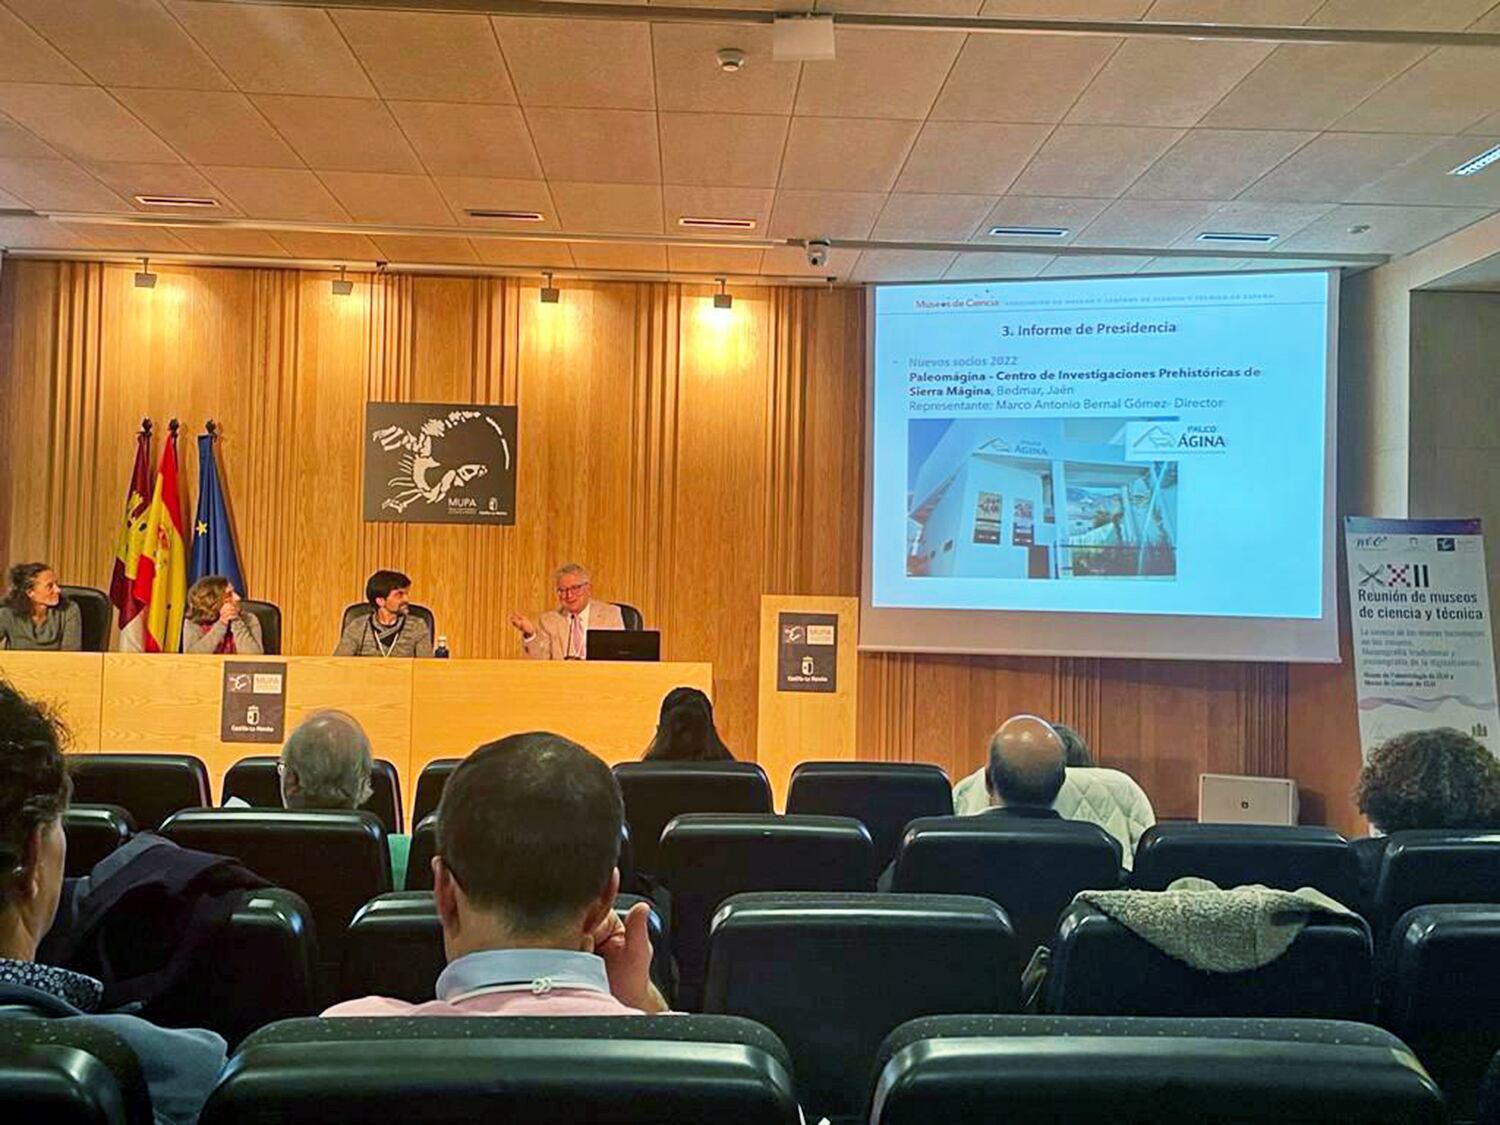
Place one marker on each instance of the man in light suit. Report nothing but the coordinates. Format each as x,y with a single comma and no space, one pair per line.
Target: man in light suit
562,633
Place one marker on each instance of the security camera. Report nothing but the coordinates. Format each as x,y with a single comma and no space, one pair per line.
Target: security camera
817,252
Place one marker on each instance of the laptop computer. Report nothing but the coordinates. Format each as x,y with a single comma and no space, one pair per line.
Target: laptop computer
623,644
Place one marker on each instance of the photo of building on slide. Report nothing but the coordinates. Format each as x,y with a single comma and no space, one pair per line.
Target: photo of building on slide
1039,498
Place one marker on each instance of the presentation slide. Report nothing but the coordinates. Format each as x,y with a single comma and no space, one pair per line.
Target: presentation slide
1136,446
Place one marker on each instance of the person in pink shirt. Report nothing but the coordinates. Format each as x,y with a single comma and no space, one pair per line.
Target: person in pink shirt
525,880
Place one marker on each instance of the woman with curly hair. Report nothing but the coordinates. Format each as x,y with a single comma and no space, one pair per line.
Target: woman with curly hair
35,615
214,620
1430,779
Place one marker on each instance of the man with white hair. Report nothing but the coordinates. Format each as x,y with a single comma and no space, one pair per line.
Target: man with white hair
562,633
326,763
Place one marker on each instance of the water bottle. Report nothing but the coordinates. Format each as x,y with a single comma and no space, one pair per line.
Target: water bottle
441,652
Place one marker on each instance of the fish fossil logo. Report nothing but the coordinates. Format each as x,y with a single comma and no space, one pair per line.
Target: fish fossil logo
425,475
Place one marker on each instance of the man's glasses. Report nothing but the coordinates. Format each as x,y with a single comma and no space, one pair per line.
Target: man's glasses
570,591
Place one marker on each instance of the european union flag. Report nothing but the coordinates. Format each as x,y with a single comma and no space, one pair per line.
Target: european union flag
213,538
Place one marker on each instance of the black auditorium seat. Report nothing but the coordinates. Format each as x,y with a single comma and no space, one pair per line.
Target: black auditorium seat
655,792
1433,866
884,796
94,611
1045,1070
256,781
1440,992
833,974
151,787
665,1070
1232,855
93,832
355,610
68,1072
430,783
269,616
707,857
1100,968
260,968
336,860
1032,868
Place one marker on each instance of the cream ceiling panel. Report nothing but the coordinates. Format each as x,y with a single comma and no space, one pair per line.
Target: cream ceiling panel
735,150
123,42
378,197
688,75
902,265
1309,85
469,140
593,64
608,208
428,56
340,134
977,266
839,154
57,185
879,74
619,256
717,203
26,57
1333,167
83,122
487,193
1040,211
931,218
1143,222
596,145
825,214
977,157
1392,229
277,193
1093,160
1165,81
272,50
208,127
1023,78
1216,163
1446,92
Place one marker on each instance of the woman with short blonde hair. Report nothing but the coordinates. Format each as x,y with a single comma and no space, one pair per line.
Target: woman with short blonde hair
214,622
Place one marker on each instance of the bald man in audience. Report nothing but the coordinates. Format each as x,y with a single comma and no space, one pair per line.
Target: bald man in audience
1028,763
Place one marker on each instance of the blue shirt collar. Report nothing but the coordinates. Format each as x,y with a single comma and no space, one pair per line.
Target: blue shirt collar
521,970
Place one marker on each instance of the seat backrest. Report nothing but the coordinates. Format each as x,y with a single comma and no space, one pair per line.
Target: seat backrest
1031,867
151,787
256,781
430,783
631,616
1440,992
93,610
260,968
69,1072
1051,1069
269,616
707,857
356,610
1232,855
424,847
833,974
884,796
522,1070
93,832
336,860
1100,968
1434,865
655,792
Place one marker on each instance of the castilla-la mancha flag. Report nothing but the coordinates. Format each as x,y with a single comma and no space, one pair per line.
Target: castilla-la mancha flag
132,532
161,577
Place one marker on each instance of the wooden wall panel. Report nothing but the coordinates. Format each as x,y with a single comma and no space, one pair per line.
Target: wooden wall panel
693,461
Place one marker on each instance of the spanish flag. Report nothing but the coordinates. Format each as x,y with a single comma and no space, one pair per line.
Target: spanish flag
132,531
161,576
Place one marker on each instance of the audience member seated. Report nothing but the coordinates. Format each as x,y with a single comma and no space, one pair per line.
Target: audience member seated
180,1066
35,615
1109,798
685,730
388,629
214,622
525,881
1438,778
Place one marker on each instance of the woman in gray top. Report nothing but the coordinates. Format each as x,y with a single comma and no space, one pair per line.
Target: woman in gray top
35,615
214,621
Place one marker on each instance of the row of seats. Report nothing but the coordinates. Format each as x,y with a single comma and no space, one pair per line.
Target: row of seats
937,1070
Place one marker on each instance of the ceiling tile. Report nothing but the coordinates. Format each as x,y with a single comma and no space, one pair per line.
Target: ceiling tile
211,128
1426,179
596,145
1332,168
979,265
429,251
123,42
83,122
791,261
1093,160
879,74
714,259
12,202
515,253
1068,9
931,218
56,185
271,50
1196,265
1243,217
132,240
1165,81
1309,85
1430,15
1444,93
17,142
1393,229
1216,163
976,157
1021,77
840,154
717,203
277,193
736,150
238,243
896,7
328,247
608,208
41,234
903,265
428,56
26,57
1086,265
1274,13
592,64
1143,222
688,75
340,134
469,140
1039,211
619,256
377,197
465,192
824,214
131,180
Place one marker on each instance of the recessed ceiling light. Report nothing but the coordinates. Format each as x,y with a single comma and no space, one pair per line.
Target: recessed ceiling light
1029,232
694,222
1235,236
508,216
176,201
1477,163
